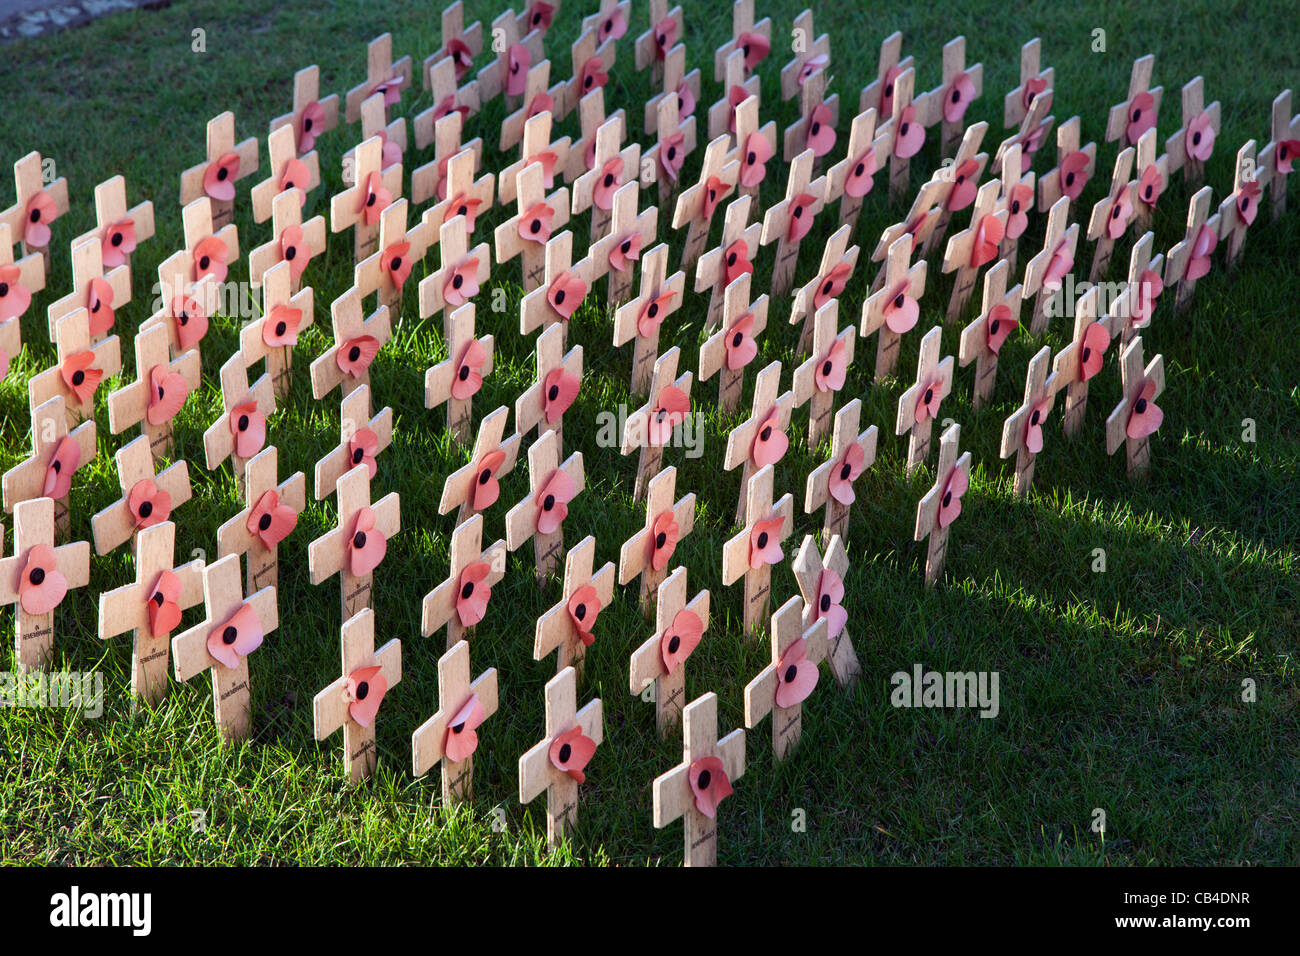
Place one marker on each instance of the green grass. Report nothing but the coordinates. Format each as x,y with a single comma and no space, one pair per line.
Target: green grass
1120,690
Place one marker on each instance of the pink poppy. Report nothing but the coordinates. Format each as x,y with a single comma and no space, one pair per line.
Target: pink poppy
830,597
672,153
1148,289
248,425
559,392
754,47
375,200
297,176
462,60
1141,116
117,243
167,394
801,217
310,121
238,637
709,784
611,177
901,311
1096,339
566,294
1062,262
911,134
1000,324
739,343
473,593
592,77
519,60
625,252
830,372
886,107
987,236
463,284
664,540
735,96
862,176
41,211
149,505
1248,200
715,190
950,503
1022,200
366,545
219,177
462,739
613,26
547,161
58,474
396,263
670,411
354,356
553,501
280,328
652,315
210,259
1150,186
463,206
390,153
738,262
163,607
42,585
1031,89
362,448
1074,173
80,376
270,520
1285,154
1145,416
1198,264
958,97
681,638
536,224
846,471
664,34
811,66
366,688
832,285
927,404
765,543
570,753
770,443
391,89
190,322
468,378
14,296
964,186
540,15
486,489
583,608
294,250
543,102
821,134
99,303
796,675
685,102
1034,428
1121,210
446,106
1200,138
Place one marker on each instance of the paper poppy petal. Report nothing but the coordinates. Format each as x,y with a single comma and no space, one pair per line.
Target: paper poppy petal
611,178
42,585
910,136
821,134
964,186
1200,138
14,296
1141,116
462,740
672,154
583,607
63,464
652,314
1121,210
950,503
163,610
663,541
765,544
570,752
469,379
957,97
796,675
625,252
280,328
473,593
902,311
366,544
535,226
366,689
80,375
845,472
396,262
553,500
238,637
558,392
210,259
801,217
167,394
753,165
1198,265
1058,266
987,236
1000,324
248,426
739,344
770,442
191,325
219,177
40,212
1074,173
375,199
681,638
1022,200
754,47
708,781
830,592
862,176
1145,417
518,60
566,294
486,489
355,355
737,261
117,243
1034,427
271,520
830,371
670,411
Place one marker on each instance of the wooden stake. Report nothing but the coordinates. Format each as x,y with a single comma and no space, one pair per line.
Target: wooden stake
566,628
753,551
1136,417
1044,272
830,484
119,229
790,220
148,401
358,542
975,246
730,259
790,677
1111,215
239,432
559,379
382,76
98,291
312,116
942,503
762,439
837,265
386,270
449,737
822,374
80,369
1078,362
695,205
853,177
1190,259
556,764
729,350
628,234
1191,145
370,189
34,197
661,661
525,234
540,515
918,407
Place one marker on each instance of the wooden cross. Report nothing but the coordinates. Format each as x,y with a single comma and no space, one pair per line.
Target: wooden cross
753,551
555,763
23,278
909,116
516,51
675,140
893,309
738,87
538,215
1075,165
651,426
647,553
352,700
36,205
456,379
596,187
789,678
639,319
1134,305
718,177
730,259
466,197
629,233
982,340
118,228
151,608
148,496
273,336
1045,271
917,227
159,392
270,513
56,454
433,179
288,173
592,55
1127,121
762,438
449,737
374,123
753,145
37,578
1078,362
679,626
312,116
540,515
369,191
536,149
559,376
294,242
1238,209
591,117
919,405
792,218
464,270
852,177
80,369
1136,417
227,162
474,487
942,503
729,350
666,28
1191,145
958,179
357,340
358,542
235,627
450,99
1022,432
460,44
1277,155
821,375
100,292
701,780
239,432
1017,198
821,583
812,54
566,627
1189,259
837,265
1152,175
806,76
563,288
382,76
752,40
830,484
961,86
1112,213
538,97
362,440
1033,81
610,20
461,600
879,93
210,250
976,246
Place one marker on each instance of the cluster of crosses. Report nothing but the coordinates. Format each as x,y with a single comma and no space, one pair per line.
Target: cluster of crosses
547,182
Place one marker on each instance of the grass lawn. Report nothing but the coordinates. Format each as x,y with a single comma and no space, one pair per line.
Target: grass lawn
1120,690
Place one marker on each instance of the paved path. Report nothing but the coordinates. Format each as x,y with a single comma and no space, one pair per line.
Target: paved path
31,18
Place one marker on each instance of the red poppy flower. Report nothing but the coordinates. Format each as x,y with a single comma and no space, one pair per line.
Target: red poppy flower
391,89
239,636
468,378
1248,200
80,376
518,60
1150,186
958,97
583,608
462,60
1145,416
248,425
1031,89
543,102
753,165
1200,138
164,607
366,688
715,190
566,294
210,259
559,391
1000,324
463,206
830,371
830,594
396,262
486,489
41,211
547,161
862,176
375,199
446,106
310,122
553,501
664,34
832,285
801,217
1096,339
536,224
625,252
927,403
685,102
570,752
754,47
613,26
99,303
1034,428
42,585
366,545
117,243
1148,289
14,296
591,76
911,134
1202,248
190,322
739,343
664,540
770,443
297,176
58,474
540,15
1022,200
362,448
681,638
1121,210
167,393
149,505
735,96
270,520
672,153
670,411
1062,262
987,236
950,503
463,284
709,784
845,472
811,66
473,593
821,134
1141,116
355,355
1285,154
219,177
737,261
280,328
611,177
462,740
901,311
1031,143
796,675
294,250
1074,173
765,543
652,314
887,91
